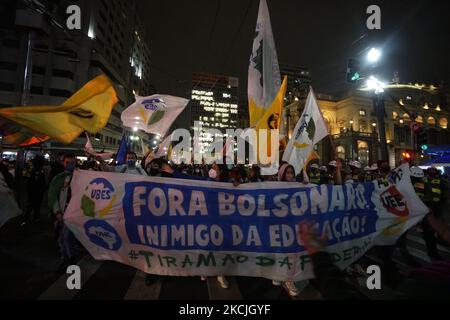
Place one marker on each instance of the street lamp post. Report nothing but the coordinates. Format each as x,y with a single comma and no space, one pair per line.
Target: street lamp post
378,104
373,57
351,141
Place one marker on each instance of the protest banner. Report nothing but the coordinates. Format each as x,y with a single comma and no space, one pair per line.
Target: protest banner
200,228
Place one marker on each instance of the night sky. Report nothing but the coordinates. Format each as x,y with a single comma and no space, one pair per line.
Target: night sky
216,36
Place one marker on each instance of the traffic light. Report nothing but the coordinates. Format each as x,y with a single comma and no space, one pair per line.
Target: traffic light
407,155
353,70
422,140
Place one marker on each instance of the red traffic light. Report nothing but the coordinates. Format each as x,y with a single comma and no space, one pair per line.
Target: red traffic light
406,155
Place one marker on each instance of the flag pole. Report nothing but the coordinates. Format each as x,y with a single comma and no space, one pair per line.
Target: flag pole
333,146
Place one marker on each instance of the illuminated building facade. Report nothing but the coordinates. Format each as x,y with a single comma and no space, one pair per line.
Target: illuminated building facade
214,105
299,80
111,41
353,125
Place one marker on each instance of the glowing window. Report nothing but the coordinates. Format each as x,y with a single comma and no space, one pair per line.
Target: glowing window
431,121
394,115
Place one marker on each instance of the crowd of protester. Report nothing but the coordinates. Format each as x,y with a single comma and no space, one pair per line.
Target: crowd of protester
430,185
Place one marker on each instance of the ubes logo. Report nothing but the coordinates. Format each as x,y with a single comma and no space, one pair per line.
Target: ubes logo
98,198
394,202
158,106
102,234
97,201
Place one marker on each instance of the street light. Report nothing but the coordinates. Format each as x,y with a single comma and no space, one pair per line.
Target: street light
374,55
378,103
376,85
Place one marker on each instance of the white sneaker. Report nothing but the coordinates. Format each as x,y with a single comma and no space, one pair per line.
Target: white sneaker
223,282
203,278
293,291
276,283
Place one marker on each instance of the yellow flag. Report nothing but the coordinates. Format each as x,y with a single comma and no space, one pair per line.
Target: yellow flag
87,110
271,119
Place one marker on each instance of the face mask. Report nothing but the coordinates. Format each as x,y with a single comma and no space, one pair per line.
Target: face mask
212,174
70,166
166,175
131,163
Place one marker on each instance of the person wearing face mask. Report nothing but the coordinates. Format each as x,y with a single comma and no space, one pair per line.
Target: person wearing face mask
286,173
130,167
59,195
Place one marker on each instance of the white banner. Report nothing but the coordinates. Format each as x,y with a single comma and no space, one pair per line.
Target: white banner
199,228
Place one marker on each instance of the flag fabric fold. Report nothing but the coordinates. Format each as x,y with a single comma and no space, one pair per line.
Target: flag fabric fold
309,130
154,114
87,110
264,79
265,90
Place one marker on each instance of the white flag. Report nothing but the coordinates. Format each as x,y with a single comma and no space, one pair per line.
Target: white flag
310,129
154,114
264,79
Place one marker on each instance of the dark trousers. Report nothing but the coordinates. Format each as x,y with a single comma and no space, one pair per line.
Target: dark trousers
430,239
33,207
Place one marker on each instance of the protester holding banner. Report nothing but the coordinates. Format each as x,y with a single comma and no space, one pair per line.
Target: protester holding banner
130,167
59,196
428,282
254,174
287,174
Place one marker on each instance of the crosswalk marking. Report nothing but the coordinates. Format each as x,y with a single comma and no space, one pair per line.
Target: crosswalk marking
307,292
59,291
216,292
138,289
417,238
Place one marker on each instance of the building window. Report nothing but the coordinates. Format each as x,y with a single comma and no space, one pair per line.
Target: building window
60,93
37,90
62,73
38,70
8,66
11,43
362,112
431,121
4,86
363,152
340,151
394,115
362,126
443,123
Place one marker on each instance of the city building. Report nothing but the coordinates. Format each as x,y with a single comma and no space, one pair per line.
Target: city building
44,63
299,81
214,105
353,124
